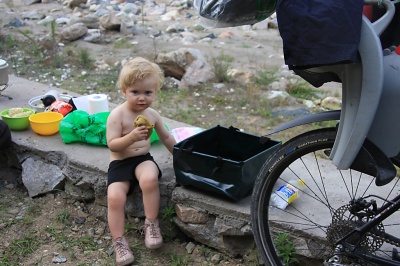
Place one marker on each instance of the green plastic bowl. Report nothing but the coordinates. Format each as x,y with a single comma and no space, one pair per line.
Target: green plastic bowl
17,123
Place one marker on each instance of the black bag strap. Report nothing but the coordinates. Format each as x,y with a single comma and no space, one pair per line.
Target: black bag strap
264,139
177,157
187,147
218,165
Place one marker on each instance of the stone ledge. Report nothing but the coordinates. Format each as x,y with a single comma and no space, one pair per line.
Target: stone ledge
209,219
225,225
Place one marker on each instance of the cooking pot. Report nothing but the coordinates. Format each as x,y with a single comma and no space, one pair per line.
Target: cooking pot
3,72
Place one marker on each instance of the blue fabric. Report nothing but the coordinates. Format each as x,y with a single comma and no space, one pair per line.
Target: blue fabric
319,32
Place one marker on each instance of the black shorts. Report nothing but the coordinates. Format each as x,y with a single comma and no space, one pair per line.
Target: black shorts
124,170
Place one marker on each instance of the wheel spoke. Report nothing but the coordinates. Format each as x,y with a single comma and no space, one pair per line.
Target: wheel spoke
324,212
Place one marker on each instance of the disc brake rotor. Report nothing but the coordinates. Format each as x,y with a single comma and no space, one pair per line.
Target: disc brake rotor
343,223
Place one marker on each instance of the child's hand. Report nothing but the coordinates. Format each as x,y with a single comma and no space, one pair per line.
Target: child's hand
140,133
142,120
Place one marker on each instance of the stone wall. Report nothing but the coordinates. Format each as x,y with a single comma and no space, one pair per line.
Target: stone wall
206,218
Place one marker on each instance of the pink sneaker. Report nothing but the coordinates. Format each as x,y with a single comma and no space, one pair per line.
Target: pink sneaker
123,254
152,234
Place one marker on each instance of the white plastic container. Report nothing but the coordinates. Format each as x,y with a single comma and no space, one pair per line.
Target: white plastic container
36,102
287,193
3,72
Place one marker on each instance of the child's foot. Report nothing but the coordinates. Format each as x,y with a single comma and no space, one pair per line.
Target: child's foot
152,238
123,254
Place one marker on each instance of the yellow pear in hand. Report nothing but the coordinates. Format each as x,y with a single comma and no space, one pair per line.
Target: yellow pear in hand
142,120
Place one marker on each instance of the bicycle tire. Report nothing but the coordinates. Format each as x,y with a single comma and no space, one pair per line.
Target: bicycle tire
306,230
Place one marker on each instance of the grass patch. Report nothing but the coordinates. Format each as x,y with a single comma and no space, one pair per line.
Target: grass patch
7,43
302,90
265,77
264,109
176,260
84,243
131,227
19,249
220,65
63,217
85,59
122,43
167,217
285,248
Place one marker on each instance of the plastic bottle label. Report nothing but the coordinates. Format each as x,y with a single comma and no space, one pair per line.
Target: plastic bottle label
289,191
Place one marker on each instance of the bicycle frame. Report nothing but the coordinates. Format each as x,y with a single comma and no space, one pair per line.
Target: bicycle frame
366,140
382,213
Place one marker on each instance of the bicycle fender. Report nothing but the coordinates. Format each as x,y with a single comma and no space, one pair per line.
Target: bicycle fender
312,118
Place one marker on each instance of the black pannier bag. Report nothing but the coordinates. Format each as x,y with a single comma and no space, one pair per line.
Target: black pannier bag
235,12
221,160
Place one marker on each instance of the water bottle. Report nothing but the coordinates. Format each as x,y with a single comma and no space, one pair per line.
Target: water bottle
287,193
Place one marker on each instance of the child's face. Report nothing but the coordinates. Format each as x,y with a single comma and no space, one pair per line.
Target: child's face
141,94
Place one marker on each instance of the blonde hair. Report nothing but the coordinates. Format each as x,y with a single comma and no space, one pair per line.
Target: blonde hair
137,69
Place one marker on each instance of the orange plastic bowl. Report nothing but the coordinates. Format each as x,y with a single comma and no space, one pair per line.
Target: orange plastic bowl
46,123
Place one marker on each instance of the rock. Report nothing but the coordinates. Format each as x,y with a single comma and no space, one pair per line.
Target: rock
73,32
172,15
14,23
46,21
262,25
93,36
85,184
59,259
9,186
101,12
111,21
190,247
159,10
90,21
227,232
62,20
198,73
131,8
34,15
127,27
309,104
241,76
79,220
74,3
272,95
175,63
187,34
331,103
190,215
80,192
40,177
216,258
173,28
226,35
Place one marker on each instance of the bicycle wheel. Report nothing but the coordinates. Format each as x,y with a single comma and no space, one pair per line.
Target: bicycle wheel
307,231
